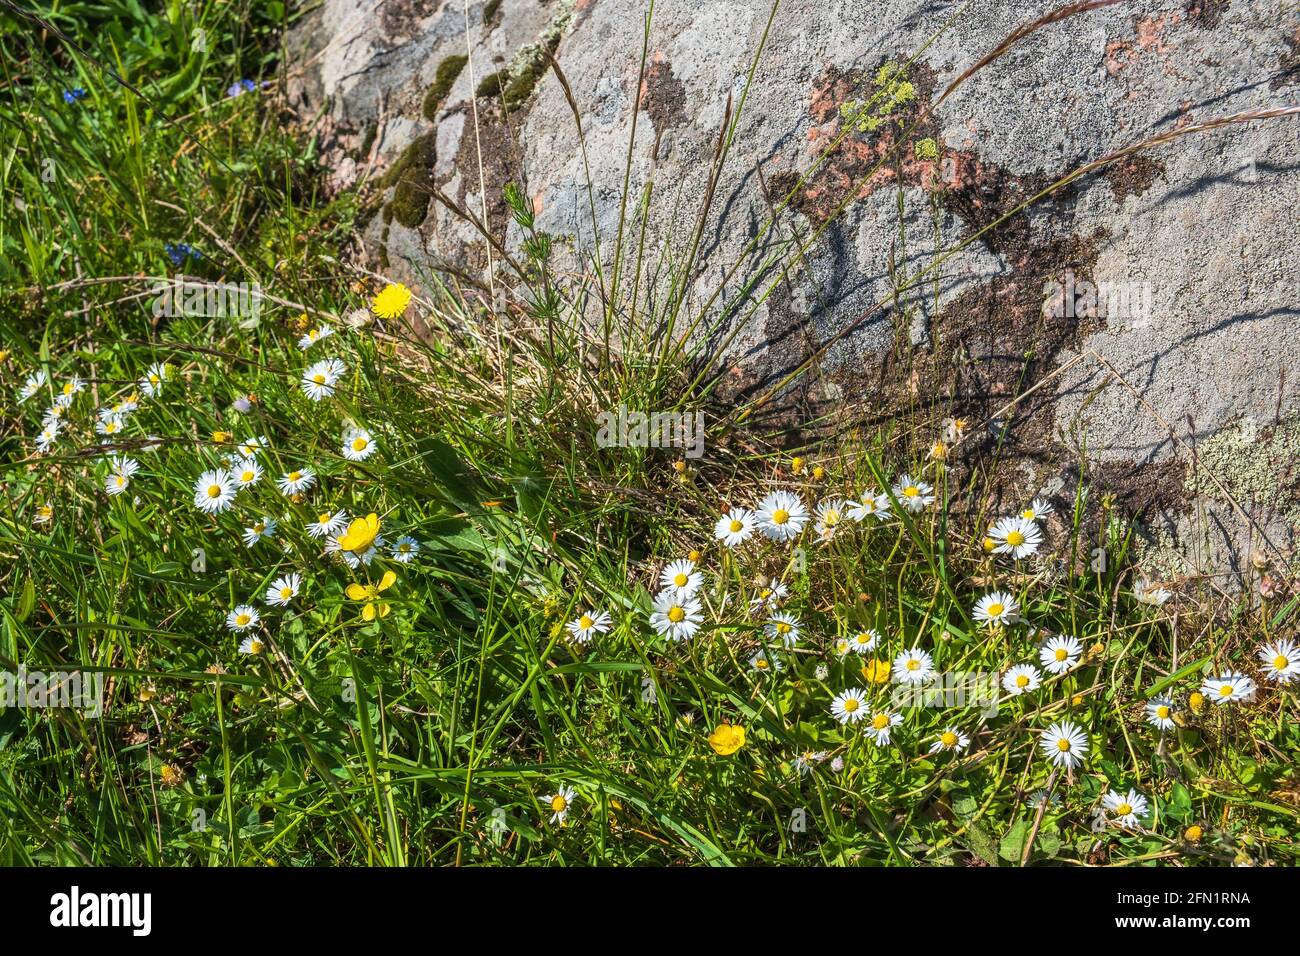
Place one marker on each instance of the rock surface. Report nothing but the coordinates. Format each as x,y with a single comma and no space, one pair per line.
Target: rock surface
1190,245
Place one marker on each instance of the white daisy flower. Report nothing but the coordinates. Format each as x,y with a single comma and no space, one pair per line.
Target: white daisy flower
35,382
1016,537
561,802
913,494
999,607
842,647
770,597
119,476
1144,592
804,762
214,492
830,516
781,516
880,726
154,377
351,558
1040,797
1160,713
320,378
252,645
1021,679
1060,654
950,740
48,435
55,413
296,482
761,662
913,667
68,391
850,706
358,444
1064,744
110,426
870,505
284,589
681,578
676,618
263,528
327,524
1126,809
1037,511
44,514
783,627
1229,688
249,447
586,626
734,527
404,549
246,472
864,640
1281,661
242,618
314,336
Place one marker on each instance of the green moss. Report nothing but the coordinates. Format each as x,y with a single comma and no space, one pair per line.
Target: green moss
490,10
529,72
443,78
413,176
492,85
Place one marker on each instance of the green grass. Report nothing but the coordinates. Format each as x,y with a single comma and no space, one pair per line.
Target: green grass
409,740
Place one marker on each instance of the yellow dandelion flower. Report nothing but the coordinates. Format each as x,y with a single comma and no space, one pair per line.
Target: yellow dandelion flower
391,301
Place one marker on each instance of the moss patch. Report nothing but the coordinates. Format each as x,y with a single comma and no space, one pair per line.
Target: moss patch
446,74
490,11
413,176
492,85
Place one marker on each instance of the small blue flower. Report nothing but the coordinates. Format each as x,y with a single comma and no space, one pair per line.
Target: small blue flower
243,86
180,251
74,94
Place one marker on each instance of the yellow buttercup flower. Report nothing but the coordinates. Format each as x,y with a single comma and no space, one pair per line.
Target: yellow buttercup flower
876,671
360,534
726,739
369,593
391,301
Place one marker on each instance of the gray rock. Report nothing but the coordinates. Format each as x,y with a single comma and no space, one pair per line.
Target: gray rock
1191,245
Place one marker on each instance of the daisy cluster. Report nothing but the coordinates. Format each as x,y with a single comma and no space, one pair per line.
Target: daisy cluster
677,613
245,479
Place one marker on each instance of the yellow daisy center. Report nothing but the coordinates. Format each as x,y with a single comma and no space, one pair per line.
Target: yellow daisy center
780,516
295,475
783,628
832,518
995,609
584,623
913,664
949,739
851,705
246,475
911,491
286,593
880,721
255,647
558,803
680,580
1123,810
1015,539
359,444
1022,680
318,378
119,480
323,519
1063,744
676,614
214,491
1162,712
1062,653
761,663
1280,662
242,619
1225,690
736,526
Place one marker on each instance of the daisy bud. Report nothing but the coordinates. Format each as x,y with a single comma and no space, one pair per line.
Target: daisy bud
938,451
679,466
1196,701
796,465
819,473
1193,834
694,557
